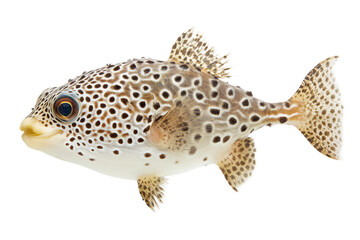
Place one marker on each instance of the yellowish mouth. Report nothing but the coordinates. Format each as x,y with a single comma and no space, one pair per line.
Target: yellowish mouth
35,134
29,131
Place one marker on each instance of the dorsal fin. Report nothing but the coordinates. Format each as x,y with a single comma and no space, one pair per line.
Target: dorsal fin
192,49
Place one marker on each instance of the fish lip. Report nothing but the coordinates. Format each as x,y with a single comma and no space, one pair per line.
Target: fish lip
43,141
31,134
32,129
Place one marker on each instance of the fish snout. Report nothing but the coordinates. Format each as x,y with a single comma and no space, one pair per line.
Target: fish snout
32,127
35,134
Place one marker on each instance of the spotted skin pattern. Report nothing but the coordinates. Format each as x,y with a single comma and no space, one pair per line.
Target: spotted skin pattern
145,119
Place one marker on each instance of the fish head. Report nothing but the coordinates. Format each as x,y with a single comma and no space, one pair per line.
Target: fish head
88,118
48,126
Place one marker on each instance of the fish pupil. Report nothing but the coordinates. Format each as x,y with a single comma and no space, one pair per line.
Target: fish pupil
65,109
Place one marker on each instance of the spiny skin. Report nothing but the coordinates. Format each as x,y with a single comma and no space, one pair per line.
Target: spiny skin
145,119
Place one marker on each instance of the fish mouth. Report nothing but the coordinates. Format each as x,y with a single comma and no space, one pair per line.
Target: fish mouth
36,135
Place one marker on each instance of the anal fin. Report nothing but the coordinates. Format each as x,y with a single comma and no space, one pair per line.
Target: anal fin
238,165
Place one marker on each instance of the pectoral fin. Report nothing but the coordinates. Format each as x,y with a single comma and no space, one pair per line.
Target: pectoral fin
175,131
238,165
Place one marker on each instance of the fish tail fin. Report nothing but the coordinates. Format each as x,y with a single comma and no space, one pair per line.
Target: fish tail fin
320,108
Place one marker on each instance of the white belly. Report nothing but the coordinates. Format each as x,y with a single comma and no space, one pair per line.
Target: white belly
131,163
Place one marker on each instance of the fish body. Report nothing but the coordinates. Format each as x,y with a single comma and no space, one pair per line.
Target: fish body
145,119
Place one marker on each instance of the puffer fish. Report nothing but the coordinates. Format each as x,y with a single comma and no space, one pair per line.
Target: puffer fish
146,119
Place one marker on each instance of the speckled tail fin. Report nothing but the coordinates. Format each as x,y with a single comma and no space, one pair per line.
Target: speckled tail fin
239,163
321,109
191,48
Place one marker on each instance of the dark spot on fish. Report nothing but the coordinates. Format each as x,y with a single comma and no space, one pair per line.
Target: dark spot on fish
214,83
232,121
184,66
113,135
283,119
139,118
192,150
214,111
245,103
216,139
226,138
243,128
117,87
165,94
146,129
197,137
112,110
208,128
142,104
134,78
214,94
255,118
178,79
249,93
225,105
156,106
124,100
199,96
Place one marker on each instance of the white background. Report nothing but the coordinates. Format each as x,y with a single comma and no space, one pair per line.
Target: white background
295,192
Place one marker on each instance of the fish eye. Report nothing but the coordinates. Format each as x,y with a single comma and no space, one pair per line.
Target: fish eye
66,108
